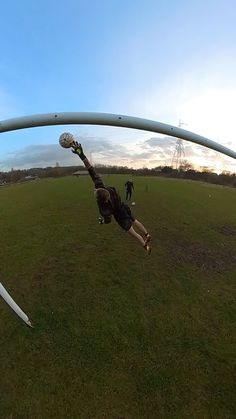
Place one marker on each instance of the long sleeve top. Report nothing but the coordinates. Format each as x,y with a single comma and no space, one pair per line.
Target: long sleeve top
114,205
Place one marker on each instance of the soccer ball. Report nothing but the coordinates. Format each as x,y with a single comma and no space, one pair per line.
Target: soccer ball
66,140
133,203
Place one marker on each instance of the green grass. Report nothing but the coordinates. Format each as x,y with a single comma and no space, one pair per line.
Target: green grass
118,334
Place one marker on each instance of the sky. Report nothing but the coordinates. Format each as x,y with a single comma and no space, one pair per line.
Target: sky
172,61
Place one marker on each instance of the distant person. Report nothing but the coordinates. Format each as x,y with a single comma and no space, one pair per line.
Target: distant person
129,189
110,204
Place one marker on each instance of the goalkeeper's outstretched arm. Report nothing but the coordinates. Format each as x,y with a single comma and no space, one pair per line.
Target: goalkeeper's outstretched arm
97,180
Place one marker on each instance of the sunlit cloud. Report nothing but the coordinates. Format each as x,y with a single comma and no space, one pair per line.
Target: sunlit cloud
149,152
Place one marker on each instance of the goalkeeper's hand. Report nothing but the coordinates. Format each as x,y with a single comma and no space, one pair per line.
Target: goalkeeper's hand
77,149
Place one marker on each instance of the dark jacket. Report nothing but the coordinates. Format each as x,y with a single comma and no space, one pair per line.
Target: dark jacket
129,185
114,205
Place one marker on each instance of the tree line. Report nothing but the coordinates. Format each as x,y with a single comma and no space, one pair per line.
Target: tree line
185,171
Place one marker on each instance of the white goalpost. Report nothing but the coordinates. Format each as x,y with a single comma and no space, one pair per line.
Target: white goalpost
9,300
95,118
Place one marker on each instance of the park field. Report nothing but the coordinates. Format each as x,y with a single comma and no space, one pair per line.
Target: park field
118,334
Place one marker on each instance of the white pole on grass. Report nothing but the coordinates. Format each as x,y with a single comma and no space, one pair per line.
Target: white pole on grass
9,300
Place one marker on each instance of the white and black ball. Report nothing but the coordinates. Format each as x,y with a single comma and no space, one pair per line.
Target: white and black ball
66,140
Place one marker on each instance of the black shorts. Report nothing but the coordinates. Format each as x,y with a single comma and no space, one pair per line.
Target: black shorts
124,217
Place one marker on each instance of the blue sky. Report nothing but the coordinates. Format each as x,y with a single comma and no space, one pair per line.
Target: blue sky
163,60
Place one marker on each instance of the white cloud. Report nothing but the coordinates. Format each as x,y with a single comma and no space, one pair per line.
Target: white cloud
149,152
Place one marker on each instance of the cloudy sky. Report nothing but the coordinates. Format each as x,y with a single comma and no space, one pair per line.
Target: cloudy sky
171,61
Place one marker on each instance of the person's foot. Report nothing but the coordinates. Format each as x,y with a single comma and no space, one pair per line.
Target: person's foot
148,237
148,249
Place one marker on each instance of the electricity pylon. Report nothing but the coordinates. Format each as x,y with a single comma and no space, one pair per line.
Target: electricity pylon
179,153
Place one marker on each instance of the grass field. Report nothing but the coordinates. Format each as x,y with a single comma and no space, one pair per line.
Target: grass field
118,333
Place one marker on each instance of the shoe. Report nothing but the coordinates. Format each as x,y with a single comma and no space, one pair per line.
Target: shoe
148,249
148,238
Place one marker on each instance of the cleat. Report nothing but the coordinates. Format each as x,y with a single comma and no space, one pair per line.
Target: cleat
148,238
148,249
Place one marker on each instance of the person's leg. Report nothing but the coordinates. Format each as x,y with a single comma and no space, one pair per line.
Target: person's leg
142,230
127,193
140,227
125,220
137,236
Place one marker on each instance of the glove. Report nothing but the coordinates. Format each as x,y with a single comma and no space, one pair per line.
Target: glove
101,220
77,149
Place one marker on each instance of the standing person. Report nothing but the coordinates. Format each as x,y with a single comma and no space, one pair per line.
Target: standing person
129,185
110,204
